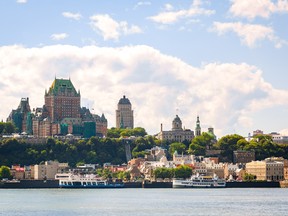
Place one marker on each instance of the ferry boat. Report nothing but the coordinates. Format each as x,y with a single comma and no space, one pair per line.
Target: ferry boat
200,181
69,180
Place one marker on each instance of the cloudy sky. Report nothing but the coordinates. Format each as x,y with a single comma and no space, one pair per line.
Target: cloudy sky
224,60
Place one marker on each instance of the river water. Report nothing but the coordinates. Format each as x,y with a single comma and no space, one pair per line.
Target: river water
136,202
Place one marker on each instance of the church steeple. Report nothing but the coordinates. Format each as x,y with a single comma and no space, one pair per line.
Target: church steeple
198,127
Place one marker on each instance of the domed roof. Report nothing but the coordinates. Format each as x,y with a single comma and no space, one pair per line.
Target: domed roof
124,100
177,119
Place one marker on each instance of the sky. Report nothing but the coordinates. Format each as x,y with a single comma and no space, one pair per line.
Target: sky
225,61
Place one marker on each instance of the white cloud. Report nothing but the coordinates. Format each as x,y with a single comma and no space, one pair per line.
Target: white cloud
284,132
250,34
22,1
225,95
141,3
60,36
168,7
111,29
75,16
169,17
257,8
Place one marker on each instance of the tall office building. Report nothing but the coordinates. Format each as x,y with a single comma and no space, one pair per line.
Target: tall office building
124,114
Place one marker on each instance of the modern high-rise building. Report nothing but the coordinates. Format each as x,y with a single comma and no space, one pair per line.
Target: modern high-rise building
124,114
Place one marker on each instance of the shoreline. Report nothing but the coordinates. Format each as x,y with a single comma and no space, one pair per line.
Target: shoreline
30,184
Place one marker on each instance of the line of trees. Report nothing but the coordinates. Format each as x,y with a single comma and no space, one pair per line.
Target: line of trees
94,150
102,150
181,171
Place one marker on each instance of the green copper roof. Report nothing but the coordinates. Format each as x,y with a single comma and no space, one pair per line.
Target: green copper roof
62,87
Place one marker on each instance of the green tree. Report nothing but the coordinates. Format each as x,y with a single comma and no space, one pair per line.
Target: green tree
162,172
182,171
228,144
124,175
200,143
249,177
242,144
105,173
139,132
5,172
2,127
179,147
10,128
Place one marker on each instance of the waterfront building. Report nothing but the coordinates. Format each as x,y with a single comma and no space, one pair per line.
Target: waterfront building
17,172
215,168
124,114
270,169
286,169
230,170
148,166
200,168
177,134
48,170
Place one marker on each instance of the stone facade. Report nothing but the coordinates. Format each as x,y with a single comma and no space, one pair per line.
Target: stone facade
124,114
21,117
242,156
61,114
177,134
270,169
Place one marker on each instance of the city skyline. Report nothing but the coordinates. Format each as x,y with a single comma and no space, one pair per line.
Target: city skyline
221,60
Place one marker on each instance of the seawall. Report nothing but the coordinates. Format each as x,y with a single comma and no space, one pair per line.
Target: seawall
145,184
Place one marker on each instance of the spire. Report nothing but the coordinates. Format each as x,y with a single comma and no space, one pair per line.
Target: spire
198,127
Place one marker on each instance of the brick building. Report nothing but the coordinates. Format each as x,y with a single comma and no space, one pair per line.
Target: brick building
60,115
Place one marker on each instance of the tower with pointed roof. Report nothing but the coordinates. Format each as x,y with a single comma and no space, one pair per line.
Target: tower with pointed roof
62,100
124,114
198,127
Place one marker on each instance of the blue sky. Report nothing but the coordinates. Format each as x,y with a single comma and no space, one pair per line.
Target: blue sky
223,60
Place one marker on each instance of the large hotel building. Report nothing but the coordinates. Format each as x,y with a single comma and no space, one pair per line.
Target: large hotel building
60,115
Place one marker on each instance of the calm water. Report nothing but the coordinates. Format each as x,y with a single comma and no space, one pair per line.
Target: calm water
134,202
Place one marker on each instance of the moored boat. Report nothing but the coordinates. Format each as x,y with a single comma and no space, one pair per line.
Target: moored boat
85,181
200,181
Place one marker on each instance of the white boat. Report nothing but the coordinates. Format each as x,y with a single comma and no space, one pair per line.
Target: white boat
200,181
68,180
